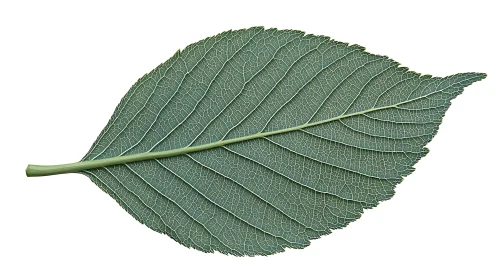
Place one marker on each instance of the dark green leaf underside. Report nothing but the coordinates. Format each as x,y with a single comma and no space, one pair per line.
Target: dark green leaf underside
371,121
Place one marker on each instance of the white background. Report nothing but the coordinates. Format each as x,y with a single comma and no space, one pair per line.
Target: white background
64,67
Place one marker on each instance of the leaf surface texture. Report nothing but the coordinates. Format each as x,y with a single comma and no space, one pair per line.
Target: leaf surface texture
353,125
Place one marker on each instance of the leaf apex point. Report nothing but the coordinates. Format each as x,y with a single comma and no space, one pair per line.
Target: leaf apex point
480,75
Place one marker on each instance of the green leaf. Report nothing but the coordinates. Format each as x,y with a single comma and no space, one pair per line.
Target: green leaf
256,140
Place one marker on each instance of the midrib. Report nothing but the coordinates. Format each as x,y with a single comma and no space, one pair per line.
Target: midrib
46,170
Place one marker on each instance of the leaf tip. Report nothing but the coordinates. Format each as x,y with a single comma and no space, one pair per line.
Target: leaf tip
480,76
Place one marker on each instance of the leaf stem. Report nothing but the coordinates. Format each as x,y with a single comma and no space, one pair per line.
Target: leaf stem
46,170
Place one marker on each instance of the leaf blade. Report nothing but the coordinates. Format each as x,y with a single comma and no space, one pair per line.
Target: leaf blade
256,140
